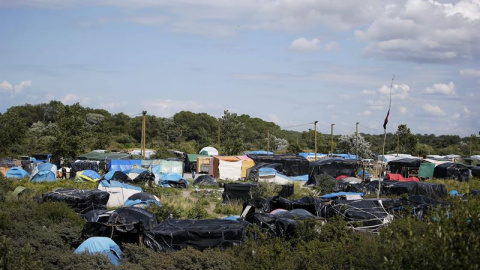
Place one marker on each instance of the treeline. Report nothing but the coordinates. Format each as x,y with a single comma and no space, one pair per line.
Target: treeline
70,130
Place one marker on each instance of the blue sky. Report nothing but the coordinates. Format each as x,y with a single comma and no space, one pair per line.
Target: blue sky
287,61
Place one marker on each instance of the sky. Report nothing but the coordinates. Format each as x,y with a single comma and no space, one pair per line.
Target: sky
291,62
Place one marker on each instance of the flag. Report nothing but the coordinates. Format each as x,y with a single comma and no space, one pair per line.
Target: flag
386,120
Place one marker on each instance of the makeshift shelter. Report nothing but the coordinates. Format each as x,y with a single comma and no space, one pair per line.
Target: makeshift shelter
80,200
142,199
425,171
292,165
123,164
45,172
413,188
119,192
239,192
81,165
266,205
104,156
203,164
226,168
406,166
333,167
88,175
451,170
256,173
399,177
101,245
117,175
191,161
124,225
174,234
209,151
133,173
205,180
419,205
173,180
16,172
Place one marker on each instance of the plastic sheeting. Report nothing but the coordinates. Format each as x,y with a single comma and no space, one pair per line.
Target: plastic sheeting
413,188
102,245
205,180
174,234
80,200
332,167
123,164
119,192
452,171
230,170
292,165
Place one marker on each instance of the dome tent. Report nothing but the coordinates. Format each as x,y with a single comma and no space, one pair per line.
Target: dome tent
102,245
210,151
17,172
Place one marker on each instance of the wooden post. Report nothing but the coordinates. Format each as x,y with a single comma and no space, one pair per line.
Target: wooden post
144,120
315,130
331,142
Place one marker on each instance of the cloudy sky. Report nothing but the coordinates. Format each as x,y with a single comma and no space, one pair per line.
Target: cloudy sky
287,61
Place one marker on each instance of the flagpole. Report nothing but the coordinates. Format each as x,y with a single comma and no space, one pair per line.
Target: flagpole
384,164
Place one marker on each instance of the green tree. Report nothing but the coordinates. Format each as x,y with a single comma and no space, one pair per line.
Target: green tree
231,129
407,142
348,144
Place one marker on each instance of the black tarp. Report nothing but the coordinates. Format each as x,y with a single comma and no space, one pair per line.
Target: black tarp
292,165
330,166
419,204
205,180
413,188
143,196
266,205
121,177
124,225
80,200
174,234
253,172
81,166
245,192
451,170
144,177
404,166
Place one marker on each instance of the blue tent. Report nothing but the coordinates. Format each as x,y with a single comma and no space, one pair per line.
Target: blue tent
46,173
17,172
102,245
142,198
92,174
172,179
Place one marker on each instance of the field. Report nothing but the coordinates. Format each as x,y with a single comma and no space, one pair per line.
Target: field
37,235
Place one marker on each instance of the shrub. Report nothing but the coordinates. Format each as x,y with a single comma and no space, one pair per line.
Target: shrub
165,211
197,212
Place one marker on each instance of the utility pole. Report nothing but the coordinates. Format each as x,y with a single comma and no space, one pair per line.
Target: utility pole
356,141
219,128
315,128
398,143
268,141
471,140
331,142
143,134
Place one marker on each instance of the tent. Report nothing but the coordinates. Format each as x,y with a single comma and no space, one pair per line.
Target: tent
88,175
118,176
17,172
80,200
119,192
173,180
292,165
45,172
451,170
101,245
425,171
205,180
330,166
209,151
142,199
191,161
405,166
133,173
144,177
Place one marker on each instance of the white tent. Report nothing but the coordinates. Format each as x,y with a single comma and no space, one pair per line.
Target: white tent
209,151
119,192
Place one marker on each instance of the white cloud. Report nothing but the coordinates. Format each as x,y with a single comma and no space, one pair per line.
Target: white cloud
404,32
168,107
466,111
440,89
304,45
433,110
456,116
366,113
399,91
273,118
331,46
403,110
368,92
6,87
72,98
470,72
376,105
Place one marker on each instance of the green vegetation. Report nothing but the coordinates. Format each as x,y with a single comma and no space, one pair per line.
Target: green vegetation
36,235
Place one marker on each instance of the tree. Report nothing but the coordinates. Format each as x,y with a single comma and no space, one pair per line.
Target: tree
348,144
407,142
231,128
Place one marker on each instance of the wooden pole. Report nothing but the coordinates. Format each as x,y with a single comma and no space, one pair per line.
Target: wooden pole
143,133
331,142
356,141
268,141
219,146
315,128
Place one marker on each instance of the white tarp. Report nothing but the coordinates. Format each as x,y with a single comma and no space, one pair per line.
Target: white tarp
230,170
119,192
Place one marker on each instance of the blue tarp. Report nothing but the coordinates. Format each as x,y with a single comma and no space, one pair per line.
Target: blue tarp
167,179
346,156
17,172
109,175
102,245
258,152
46,167
43,176
91,174
123,164
139,171
367,175
112,183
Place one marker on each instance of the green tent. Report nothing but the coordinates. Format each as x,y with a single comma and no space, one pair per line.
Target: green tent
426,170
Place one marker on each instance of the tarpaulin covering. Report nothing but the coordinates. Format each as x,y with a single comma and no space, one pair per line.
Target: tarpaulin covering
230,170
402,166
101,245
142,199
118,176
399,177
476,171
253,173
240,192
82,165
426,170
282,223
292,165
125,224
80,200
421,204
413,188
451,170
123,164
266,205
174,234
119,192
144,177
205,180
45,172
173,180
332,167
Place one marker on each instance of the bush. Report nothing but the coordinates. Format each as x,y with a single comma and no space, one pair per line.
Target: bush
197,212
165,211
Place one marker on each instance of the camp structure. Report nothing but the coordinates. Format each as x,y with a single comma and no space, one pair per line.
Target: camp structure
246,192
101,245
311,156
172,180
191,161
206,180
230,167
87,175
157,166
123,225
174,234
413,188
209,151
292,165
142,199
406,167
17,172
81,165
119,192
269,172
45,172
117,175
451,170
400,178
80,200
332,167
203,164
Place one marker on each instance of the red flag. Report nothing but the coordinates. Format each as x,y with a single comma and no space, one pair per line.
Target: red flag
386,120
